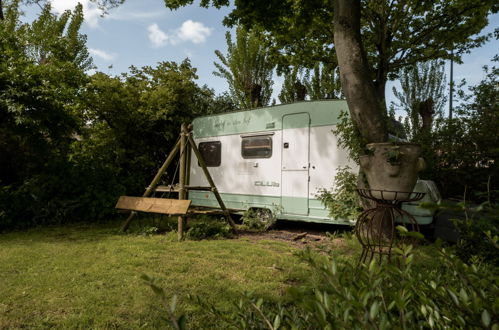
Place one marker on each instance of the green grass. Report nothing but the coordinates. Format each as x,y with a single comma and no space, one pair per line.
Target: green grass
89,276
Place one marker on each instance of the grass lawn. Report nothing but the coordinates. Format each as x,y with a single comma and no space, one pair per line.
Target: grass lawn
88,276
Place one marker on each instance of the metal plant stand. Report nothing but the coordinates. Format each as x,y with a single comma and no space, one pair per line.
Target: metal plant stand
375,228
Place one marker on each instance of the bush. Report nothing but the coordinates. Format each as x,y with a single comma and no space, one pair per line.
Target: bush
343,202
447,294
259,219
476,235
208,227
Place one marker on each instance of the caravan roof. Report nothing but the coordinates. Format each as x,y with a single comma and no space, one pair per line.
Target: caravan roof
324,112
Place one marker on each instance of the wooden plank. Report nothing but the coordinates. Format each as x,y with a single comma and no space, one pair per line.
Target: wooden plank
166,188
198,188
154,205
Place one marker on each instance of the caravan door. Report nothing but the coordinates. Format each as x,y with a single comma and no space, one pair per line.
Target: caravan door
295,163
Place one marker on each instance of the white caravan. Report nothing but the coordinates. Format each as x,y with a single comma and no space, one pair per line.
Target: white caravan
277,158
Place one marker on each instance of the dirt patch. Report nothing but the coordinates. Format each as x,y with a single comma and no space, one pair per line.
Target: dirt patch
299,239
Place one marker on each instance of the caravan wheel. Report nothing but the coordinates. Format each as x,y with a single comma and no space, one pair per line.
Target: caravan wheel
259,218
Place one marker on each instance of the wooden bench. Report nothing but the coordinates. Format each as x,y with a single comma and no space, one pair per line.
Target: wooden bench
154,205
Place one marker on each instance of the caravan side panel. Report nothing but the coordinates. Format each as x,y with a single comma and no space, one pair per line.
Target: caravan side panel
243,183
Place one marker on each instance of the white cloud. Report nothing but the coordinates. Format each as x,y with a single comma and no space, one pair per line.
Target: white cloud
102,54
90,10
119,15
194,32
189,31
157,36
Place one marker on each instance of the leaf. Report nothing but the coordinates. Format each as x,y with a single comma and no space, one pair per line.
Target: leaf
453,296
464,295
373,312
182,322
401,229
277,322
415,234
259,302
485,318
156,289
173,303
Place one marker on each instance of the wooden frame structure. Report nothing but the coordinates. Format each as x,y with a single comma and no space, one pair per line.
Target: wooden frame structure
179,207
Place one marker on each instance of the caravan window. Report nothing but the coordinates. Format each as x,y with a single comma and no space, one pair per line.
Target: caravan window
256,147
211,152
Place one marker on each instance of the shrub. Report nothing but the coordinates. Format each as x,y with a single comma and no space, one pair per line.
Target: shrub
208,227
259,219
343,202
448,294
476,234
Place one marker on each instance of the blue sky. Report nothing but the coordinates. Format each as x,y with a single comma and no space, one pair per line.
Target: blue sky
144,32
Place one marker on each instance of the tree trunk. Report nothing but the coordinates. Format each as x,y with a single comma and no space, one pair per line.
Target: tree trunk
364,104
255,94
301,91
380,87
1,11
426,111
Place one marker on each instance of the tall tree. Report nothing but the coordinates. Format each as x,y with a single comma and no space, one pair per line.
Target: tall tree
365,105
395,34
422,95
247,69
42,68
320,83
324,83
293,87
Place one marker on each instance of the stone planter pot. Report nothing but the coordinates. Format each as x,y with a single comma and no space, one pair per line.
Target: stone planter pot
392,167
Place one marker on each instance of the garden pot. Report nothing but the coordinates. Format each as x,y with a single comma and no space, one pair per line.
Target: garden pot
392,167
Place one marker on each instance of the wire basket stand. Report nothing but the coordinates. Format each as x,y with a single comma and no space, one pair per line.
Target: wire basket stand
375,228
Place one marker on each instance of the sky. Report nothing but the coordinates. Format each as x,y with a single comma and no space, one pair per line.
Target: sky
145,32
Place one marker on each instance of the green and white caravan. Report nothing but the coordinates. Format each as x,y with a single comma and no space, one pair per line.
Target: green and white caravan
277,158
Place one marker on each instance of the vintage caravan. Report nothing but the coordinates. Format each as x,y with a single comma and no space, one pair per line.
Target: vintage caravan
276,158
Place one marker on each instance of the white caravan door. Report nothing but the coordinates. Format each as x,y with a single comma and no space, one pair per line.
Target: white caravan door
295,163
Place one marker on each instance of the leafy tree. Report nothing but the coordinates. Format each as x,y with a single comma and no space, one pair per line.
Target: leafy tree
318,84
41,71
394,35
422,95
247,69
138,116
422,98
42,75
466,146
324,83
293,88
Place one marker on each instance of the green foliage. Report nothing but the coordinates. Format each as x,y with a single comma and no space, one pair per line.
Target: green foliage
293,89
321,83
343,202
349,137
208,228
324,83
70,143
394,155
394,33
450,294
478,230
176,322
259,219
41,79
465,152
424,82
247,68
476,237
